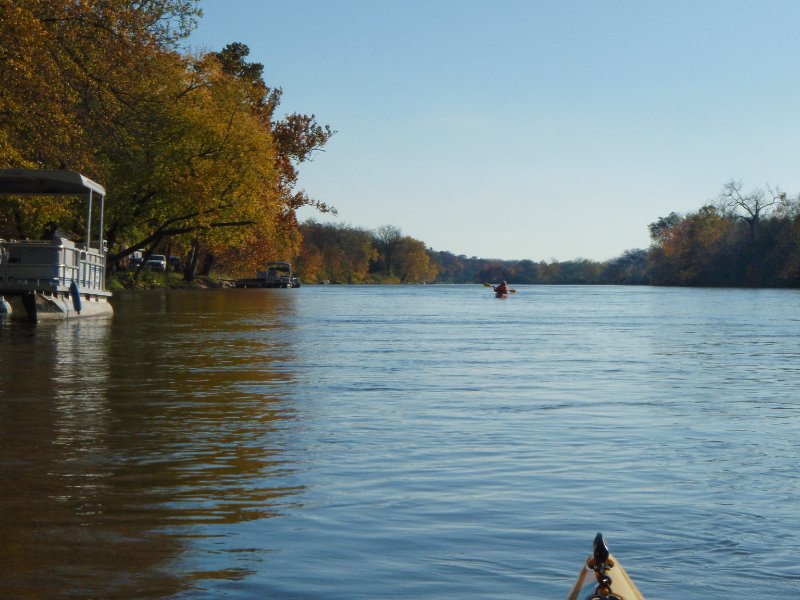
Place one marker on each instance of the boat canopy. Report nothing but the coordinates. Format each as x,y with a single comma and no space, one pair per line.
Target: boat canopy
44,182
38,182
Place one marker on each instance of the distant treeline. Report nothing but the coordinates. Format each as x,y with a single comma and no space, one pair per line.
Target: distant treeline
742,240
344,254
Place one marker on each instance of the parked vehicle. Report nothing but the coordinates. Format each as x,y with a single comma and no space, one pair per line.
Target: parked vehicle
156,262
135,260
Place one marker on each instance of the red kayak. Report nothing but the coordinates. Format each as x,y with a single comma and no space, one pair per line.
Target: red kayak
500,295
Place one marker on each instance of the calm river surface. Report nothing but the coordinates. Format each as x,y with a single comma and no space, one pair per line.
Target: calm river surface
403,442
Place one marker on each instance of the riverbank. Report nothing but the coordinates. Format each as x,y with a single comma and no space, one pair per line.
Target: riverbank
150,281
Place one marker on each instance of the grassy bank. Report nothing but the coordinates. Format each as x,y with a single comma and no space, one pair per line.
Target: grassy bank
149,280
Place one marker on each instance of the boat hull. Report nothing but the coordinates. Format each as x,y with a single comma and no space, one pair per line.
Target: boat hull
262,283
41,307
622,585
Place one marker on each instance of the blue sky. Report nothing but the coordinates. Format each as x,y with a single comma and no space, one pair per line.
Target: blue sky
529,129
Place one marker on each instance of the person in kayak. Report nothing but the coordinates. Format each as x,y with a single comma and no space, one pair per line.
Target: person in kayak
502,288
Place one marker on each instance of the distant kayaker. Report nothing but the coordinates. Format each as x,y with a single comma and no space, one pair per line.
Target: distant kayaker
502,288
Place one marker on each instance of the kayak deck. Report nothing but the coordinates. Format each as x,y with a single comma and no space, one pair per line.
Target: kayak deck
603,578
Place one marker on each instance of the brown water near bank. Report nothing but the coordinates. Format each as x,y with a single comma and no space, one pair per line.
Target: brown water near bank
117,440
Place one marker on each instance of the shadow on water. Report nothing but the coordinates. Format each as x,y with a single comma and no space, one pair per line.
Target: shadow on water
125,440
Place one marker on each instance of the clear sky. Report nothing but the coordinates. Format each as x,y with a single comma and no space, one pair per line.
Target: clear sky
529,129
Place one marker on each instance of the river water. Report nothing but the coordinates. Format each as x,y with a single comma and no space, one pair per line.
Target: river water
403,442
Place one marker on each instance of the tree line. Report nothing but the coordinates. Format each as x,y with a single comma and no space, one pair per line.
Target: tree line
190,146
338,253
335,253
199,163
749,239
742,239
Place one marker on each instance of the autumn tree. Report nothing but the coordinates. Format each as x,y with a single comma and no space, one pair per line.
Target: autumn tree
713,246
247,214
412,263
204,170
68,69
708,251
296,138
334,252
188,147
666,234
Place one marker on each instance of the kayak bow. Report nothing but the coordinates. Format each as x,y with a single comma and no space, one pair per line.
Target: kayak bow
603,578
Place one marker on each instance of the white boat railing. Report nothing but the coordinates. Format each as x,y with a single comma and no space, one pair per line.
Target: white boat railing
51,265
56,264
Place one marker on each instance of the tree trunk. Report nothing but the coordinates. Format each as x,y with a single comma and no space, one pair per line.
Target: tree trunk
208,262
169,251
191,268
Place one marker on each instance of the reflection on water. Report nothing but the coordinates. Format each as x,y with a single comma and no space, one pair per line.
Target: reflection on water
402,441
125,439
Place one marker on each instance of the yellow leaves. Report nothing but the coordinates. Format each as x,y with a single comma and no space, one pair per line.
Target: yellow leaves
184,148
33,97
197,161
411,260
228,156
34,216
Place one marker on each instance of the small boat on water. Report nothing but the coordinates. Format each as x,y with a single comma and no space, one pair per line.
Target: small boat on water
498,291
277,274
603,578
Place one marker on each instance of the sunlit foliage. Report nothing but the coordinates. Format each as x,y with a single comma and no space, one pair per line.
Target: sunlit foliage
713,246
747,239
188,146
335,253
